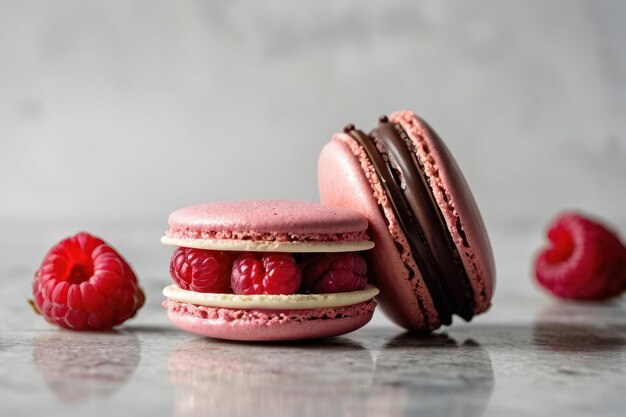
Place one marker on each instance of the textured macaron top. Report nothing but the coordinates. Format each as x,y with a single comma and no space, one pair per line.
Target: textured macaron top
268,220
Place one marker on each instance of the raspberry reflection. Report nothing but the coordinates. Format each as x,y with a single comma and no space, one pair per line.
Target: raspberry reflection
77,367
431,375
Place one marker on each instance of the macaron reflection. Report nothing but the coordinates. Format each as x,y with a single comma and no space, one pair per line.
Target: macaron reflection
331,377
431,376
77,368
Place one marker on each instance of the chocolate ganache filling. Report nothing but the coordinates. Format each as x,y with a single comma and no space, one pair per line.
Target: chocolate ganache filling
393,155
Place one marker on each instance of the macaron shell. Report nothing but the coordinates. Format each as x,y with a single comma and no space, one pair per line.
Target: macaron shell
267,217
457,204
346,178
263,325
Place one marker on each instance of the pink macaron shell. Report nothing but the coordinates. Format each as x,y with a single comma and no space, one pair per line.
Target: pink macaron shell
268,220
457,204
269,325
346,178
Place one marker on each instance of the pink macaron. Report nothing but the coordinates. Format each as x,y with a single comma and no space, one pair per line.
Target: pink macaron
304,230
432,258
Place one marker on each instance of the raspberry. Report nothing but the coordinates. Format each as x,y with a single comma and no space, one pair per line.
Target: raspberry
335,272
84,284
271,273
202,270
584,261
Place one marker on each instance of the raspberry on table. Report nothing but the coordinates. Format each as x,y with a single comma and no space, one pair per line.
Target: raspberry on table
267,273
84,284
335,272
202,270
584,261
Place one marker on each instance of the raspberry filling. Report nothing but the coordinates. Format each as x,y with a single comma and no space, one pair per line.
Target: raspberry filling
250,273
269,273
201,270
335,272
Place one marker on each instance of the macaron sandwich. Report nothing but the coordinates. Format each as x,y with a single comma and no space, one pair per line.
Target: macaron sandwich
397,225
268,270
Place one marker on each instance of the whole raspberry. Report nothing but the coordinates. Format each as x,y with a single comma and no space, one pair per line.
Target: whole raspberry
202,270
270,273
84,284
584,261
335,272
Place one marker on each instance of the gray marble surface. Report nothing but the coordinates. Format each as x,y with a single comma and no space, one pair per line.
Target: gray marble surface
569,361
528,356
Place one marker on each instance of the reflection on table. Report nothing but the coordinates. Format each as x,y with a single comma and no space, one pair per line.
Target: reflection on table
335,377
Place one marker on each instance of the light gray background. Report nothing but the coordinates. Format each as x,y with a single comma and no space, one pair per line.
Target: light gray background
113,114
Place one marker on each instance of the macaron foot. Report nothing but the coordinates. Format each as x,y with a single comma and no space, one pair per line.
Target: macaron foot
269,325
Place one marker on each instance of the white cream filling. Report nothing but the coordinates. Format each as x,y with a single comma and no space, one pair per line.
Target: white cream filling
261,246
271,302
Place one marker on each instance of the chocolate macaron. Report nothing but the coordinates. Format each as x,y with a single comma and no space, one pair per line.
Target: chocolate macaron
432,258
